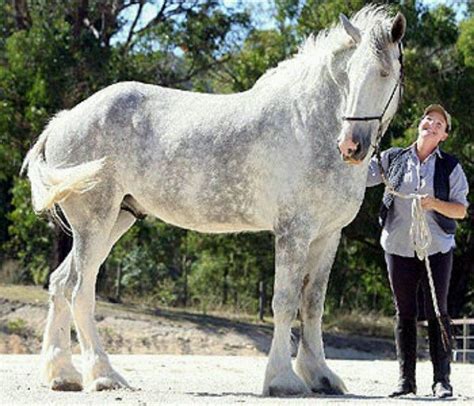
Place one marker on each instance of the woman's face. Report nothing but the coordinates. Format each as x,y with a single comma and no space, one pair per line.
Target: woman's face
432,128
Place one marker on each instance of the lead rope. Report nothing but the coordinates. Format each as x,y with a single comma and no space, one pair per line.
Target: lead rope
421,237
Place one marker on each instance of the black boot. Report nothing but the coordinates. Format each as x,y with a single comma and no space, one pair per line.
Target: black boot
405,340
440,357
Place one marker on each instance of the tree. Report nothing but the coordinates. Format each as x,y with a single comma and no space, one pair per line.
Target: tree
55,54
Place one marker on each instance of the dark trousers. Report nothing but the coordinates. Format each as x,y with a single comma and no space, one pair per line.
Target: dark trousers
408,274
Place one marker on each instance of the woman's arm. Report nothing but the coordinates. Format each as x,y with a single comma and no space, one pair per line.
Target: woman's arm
457,204
452,210
374,177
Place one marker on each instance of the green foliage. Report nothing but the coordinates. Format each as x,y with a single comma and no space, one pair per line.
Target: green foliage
208,271
17,326
50,59
227,272
465,43
317,15
173,267
261,51
30,239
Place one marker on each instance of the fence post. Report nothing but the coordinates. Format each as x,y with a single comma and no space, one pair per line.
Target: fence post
465,331
261,300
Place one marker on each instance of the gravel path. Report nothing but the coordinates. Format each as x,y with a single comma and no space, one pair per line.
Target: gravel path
188,379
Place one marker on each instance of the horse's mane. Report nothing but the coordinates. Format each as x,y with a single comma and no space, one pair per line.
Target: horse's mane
316,49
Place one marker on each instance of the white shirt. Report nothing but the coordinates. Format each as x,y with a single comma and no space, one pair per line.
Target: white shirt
419,178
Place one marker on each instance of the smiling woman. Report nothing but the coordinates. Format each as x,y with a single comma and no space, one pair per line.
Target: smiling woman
438,177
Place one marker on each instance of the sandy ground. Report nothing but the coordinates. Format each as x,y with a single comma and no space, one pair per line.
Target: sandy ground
211,359
192,379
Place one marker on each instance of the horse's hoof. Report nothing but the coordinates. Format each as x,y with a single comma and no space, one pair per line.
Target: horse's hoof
65,385
327,388
284,387
107,383
284,392
103,383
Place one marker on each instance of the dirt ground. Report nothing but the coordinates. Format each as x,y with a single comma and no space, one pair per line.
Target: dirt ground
207,359
217,380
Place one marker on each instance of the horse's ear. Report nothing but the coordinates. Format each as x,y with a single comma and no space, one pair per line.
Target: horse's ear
352,31
398,27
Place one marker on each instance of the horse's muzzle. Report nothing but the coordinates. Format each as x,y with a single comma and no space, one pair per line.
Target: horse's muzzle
351,152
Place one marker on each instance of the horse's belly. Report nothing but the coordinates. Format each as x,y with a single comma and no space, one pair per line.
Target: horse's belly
198,206
192,220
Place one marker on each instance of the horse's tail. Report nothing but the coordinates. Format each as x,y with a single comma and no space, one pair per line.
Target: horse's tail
52,185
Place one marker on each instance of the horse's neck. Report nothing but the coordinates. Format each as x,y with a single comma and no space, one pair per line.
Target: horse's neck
321,101
331,97
312,104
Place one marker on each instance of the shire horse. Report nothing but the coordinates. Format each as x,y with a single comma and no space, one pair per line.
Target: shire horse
265,159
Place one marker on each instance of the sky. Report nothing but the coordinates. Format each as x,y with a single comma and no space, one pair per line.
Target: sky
459,5
262,8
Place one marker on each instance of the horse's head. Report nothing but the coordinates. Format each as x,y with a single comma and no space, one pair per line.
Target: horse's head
374,75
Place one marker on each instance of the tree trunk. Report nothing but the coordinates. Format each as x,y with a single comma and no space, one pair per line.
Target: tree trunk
118,286
225,287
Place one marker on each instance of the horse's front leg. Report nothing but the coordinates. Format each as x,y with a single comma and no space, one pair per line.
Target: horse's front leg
280,379
310,362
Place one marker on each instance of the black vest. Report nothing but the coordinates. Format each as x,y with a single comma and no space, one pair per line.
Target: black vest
397,159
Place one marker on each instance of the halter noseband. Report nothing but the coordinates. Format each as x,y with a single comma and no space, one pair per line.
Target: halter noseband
379,118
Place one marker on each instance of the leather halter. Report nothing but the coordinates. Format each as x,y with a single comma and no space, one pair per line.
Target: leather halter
379,118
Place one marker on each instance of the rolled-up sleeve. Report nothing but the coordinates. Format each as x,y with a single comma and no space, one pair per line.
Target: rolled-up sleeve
458,186
374,177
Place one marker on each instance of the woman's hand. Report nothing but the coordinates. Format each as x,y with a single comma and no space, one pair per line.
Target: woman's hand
429,202
449,209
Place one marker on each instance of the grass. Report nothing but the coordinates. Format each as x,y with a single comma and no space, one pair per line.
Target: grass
356,323
17,326
24,294
39,296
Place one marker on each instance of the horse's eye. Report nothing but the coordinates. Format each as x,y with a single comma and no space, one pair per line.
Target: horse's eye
384,73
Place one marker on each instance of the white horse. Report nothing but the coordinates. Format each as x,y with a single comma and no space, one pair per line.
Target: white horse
264,159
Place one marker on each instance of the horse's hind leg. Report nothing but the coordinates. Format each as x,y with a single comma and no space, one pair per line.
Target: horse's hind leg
310,362
93,240
57,368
